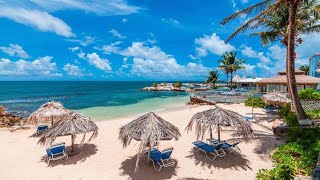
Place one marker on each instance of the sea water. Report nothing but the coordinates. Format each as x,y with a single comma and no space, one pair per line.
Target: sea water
100,100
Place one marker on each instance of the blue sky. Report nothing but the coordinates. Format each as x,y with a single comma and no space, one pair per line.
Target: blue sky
129,40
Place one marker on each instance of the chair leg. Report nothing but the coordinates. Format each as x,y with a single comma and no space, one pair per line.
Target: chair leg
154,166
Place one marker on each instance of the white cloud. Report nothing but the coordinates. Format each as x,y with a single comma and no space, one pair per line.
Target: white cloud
124,20
99,7
153,63
111,48
249,70
115,33
40,20
212,44
73,70
39,67
100,63
86,41
249,52
74,49
81,54
15,50
170,21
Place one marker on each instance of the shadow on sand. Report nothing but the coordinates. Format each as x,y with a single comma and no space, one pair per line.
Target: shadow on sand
230,161
145,170
86,151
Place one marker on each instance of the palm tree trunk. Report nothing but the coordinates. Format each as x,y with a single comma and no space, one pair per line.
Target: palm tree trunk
291,79
231,79
227,78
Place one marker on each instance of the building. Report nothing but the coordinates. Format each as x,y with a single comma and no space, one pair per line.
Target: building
314,65
247,83
279,83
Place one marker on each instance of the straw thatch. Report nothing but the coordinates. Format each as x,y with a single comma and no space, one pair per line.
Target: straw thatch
73,125
276,98
282,80
49,112
296,72
215,118
150,129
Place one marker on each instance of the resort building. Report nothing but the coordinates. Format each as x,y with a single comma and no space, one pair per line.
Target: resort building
279,83
244,82
314,65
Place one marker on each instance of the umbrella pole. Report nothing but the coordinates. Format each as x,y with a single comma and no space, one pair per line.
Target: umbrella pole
72,143
210,134
149,151
218,132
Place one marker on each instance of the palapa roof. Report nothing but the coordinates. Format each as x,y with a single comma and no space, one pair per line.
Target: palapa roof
149,128
205,120
50,111
282,80
276,98
297,72
236,78
73,124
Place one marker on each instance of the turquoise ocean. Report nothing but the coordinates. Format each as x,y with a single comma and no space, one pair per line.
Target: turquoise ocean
100,100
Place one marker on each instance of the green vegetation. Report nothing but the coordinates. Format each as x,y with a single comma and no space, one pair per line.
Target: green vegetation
309,93
177,84
298,157
305,68
315,114
154,85
213,77
255,102
230,64
284,110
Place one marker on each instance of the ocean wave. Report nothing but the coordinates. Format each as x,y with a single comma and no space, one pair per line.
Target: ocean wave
31,100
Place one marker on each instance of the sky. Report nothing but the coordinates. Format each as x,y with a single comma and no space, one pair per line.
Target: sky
131,40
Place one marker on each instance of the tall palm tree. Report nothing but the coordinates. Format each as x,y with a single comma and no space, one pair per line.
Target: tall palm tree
213,77
230,64
298,18
224,65
305,68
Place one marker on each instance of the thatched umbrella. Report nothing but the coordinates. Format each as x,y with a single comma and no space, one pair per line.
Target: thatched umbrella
73,124
50,111
217,117
150,129
276,98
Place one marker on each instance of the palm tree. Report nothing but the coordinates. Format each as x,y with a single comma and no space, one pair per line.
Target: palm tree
213,77
155,85
177,85
224,65
304,68
299,19
231,64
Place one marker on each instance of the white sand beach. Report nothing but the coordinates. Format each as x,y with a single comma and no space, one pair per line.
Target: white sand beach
105,158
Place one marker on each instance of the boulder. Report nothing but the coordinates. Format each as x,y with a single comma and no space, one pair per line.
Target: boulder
279,127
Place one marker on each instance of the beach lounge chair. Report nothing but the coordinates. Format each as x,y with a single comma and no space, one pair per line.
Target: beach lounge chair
56,152
270,109
215,150
231,147
41,129
163,159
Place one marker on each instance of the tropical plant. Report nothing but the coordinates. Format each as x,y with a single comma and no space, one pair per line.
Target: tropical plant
305,69
314,114
224,65
213,77
155,85
231,64
282,19
177,84
309,93
255,102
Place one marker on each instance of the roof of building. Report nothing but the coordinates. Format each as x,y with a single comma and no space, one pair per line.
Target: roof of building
282,80
297,71
249,80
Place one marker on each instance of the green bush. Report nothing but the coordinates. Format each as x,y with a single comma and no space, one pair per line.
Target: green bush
284,111
315,114
309,93
291,119
257,102
298,157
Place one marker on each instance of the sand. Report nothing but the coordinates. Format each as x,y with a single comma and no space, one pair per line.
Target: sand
105,158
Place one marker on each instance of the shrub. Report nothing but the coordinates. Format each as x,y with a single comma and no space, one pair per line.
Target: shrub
298,157
291,119
256,102
309,93
315,114
284,111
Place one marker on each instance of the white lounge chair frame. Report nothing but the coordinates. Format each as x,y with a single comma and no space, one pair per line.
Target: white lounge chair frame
61,155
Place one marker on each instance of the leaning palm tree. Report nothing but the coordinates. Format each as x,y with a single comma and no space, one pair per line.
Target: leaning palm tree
213,77
297,10
305,69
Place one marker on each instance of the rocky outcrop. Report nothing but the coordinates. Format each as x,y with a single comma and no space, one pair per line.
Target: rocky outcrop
279,127
7,119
